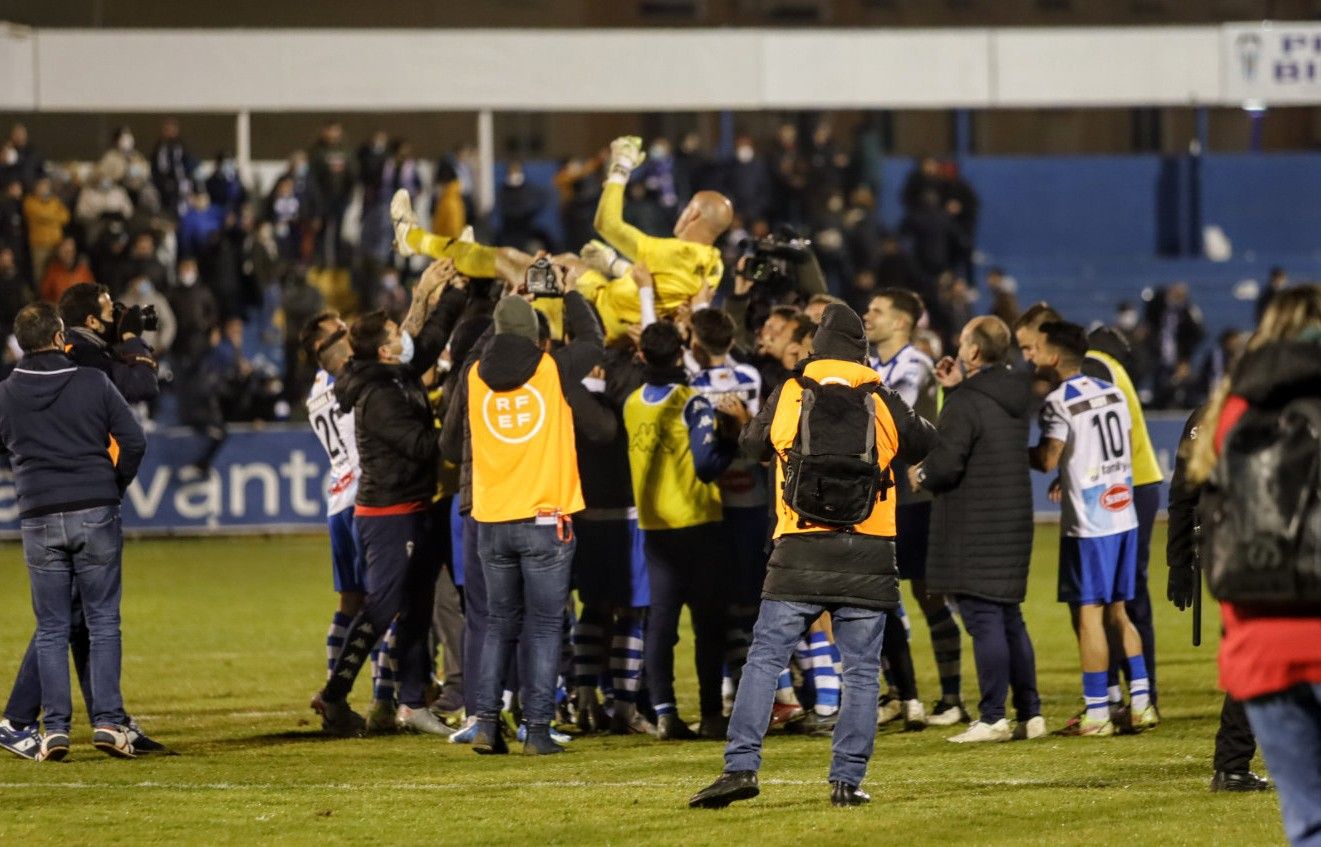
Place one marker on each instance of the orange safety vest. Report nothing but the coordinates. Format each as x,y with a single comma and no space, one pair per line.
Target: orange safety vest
784,428
523,458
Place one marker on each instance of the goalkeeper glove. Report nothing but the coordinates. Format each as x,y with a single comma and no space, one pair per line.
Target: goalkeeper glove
625,155
403,220
601,257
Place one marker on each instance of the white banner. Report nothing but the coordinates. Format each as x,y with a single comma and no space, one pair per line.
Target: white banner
1273,62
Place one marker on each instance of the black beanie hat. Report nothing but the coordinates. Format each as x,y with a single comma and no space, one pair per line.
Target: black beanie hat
840,335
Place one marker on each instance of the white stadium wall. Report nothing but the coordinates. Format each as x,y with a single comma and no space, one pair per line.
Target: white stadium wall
73,70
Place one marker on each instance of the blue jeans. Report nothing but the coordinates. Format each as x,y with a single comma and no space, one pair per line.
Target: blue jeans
80,550
527,570
780,626
1288,728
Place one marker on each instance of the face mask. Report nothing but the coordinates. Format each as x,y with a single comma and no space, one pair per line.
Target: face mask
300,169
188,279
659,152
229,170
143,288
126,142
11,155
1128,321
405,348
745,154
389,283
106,183
514,180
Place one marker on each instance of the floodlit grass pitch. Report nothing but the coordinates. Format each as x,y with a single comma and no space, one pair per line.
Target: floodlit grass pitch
224,641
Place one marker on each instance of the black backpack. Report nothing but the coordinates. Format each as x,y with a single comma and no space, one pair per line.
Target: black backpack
831,478
1262,516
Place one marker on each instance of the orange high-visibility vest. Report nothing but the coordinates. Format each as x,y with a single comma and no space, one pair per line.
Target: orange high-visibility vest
784,428
523,458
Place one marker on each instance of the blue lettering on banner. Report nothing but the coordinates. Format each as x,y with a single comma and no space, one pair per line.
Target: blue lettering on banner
270,479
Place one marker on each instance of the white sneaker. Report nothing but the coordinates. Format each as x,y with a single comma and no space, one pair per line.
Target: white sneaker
402,218
113,741
420,720
1032,728
947,714
978,731
915,716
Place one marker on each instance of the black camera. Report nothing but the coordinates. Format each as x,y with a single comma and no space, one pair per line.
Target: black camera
147,319
150,322
774,261
544,279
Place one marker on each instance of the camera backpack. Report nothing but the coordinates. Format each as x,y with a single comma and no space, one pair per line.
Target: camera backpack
831,478
1261,541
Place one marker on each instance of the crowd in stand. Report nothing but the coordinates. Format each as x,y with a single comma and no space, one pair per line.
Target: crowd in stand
232,273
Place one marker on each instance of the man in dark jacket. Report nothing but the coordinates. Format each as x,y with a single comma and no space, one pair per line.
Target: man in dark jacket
849,572
96,340
57,422
515,535
399,452
981,523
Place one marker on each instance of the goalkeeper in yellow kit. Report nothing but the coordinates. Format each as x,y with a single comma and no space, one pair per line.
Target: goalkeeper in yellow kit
682,266
470,259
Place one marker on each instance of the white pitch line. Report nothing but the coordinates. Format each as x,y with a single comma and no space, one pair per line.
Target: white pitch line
465,786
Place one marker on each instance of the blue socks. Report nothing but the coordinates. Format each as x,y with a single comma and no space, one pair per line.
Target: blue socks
1095,696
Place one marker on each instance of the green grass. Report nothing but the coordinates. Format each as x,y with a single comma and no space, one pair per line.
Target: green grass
224,642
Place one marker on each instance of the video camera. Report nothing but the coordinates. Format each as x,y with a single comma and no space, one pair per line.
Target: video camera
544,279
775,261
149,321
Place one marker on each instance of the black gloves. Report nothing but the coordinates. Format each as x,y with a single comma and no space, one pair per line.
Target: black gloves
131,322
1182,586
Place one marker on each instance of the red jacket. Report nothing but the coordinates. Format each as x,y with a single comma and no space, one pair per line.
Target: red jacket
1262,653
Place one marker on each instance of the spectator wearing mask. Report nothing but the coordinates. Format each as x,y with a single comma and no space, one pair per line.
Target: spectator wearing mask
196,313
521,203
200,227
225,186
140,261
748,181
121,157
103,198
789,177
692,168
46,217
981,523
143,294
65,269
1270,655
19,159
1177,329
114,346
290,217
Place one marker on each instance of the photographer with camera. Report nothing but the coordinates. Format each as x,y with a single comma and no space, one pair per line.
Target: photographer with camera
108,338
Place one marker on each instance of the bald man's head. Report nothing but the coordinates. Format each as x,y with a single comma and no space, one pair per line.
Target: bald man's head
705,218
985,341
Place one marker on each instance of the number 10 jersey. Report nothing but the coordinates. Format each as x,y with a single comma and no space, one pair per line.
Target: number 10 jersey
1091,418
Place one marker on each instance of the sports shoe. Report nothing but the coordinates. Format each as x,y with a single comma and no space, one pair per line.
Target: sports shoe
783,713
1239,781
144,746
948,714
670,727
729,788
402,218
54,747
113,741
978,732
337,718
555,735
420,720
24,743
1088,727
627,720
814,724
888,709
382,717
590,716
466,733
915,716
1033,727
1146,719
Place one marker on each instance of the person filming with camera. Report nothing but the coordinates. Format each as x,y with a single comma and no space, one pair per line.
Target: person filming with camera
107,336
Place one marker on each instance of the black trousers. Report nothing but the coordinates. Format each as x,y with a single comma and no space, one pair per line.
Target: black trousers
1235,743
686,567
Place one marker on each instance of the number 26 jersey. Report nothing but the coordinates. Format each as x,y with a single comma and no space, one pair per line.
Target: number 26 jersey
1091,418
334,428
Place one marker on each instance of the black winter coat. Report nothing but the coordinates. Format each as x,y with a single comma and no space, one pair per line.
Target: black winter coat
398,443
981,522
130,364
